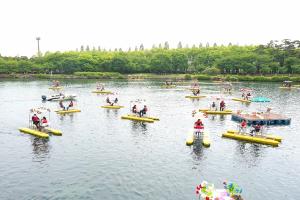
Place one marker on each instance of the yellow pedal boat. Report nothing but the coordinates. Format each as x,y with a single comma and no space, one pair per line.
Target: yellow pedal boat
112,107
136,118
253,139
67,111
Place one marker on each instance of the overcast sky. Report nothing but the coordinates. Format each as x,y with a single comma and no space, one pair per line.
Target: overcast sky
67,24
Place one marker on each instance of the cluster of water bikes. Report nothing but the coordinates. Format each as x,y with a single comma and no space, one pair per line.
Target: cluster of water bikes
39,117
256,120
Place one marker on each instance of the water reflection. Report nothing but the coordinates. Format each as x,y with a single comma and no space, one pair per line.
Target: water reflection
63,117
40,148
198,148
139,127
216,117
249,153
112,111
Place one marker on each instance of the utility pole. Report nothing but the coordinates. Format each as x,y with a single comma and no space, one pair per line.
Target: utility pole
38,43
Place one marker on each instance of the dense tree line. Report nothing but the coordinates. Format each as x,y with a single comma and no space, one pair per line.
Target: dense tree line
273,58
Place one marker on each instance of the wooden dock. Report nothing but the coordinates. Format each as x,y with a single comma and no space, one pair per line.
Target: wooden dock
262,118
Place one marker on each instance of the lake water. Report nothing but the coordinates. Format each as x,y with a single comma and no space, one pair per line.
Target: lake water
101,156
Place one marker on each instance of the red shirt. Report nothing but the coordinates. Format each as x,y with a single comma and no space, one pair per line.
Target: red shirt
244,124
198,125
35,118
44,121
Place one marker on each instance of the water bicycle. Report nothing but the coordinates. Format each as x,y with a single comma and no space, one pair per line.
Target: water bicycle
55,85
139,115
112,105
100,90
246,96
287,85
67,110
196,94
168,84
39,125
272,140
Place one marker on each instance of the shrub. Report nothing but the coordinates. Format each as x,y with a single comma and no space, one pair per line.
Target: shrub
212,70
187,77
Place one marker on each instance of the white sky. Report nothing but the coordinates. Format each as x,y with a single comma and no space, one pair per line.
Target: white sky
67,24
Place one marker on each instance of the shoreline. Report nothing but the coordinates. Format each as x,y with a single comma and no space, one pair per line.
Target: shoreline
145,76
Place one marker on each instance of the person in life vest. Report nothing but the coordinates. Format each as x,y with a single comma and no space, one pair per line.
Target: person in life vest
213,106
108,101
196,92
143,111
256,129
36,121
134,109
248,96
44,122
222,105
61,105
243,126
243,96
71,104
116,100
198,126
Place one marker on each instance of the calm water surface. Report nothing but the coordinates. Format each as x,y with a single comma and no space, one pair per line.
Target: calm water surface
101,156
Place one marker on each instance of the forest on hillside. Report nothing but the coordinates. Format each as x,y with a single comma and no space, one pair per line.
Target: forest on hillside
276,57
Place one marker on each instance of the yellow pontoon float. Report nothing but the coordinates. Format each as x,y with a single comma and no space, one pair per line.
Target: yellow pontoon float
136,118
112,107
55,88
67,111
190,139
216,112
267,140
206,140
153,118
195,97
241,100
102,92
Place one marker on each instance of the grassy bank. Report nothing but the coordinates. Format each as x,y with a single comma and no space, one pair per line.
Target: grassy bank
274,78
174,77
